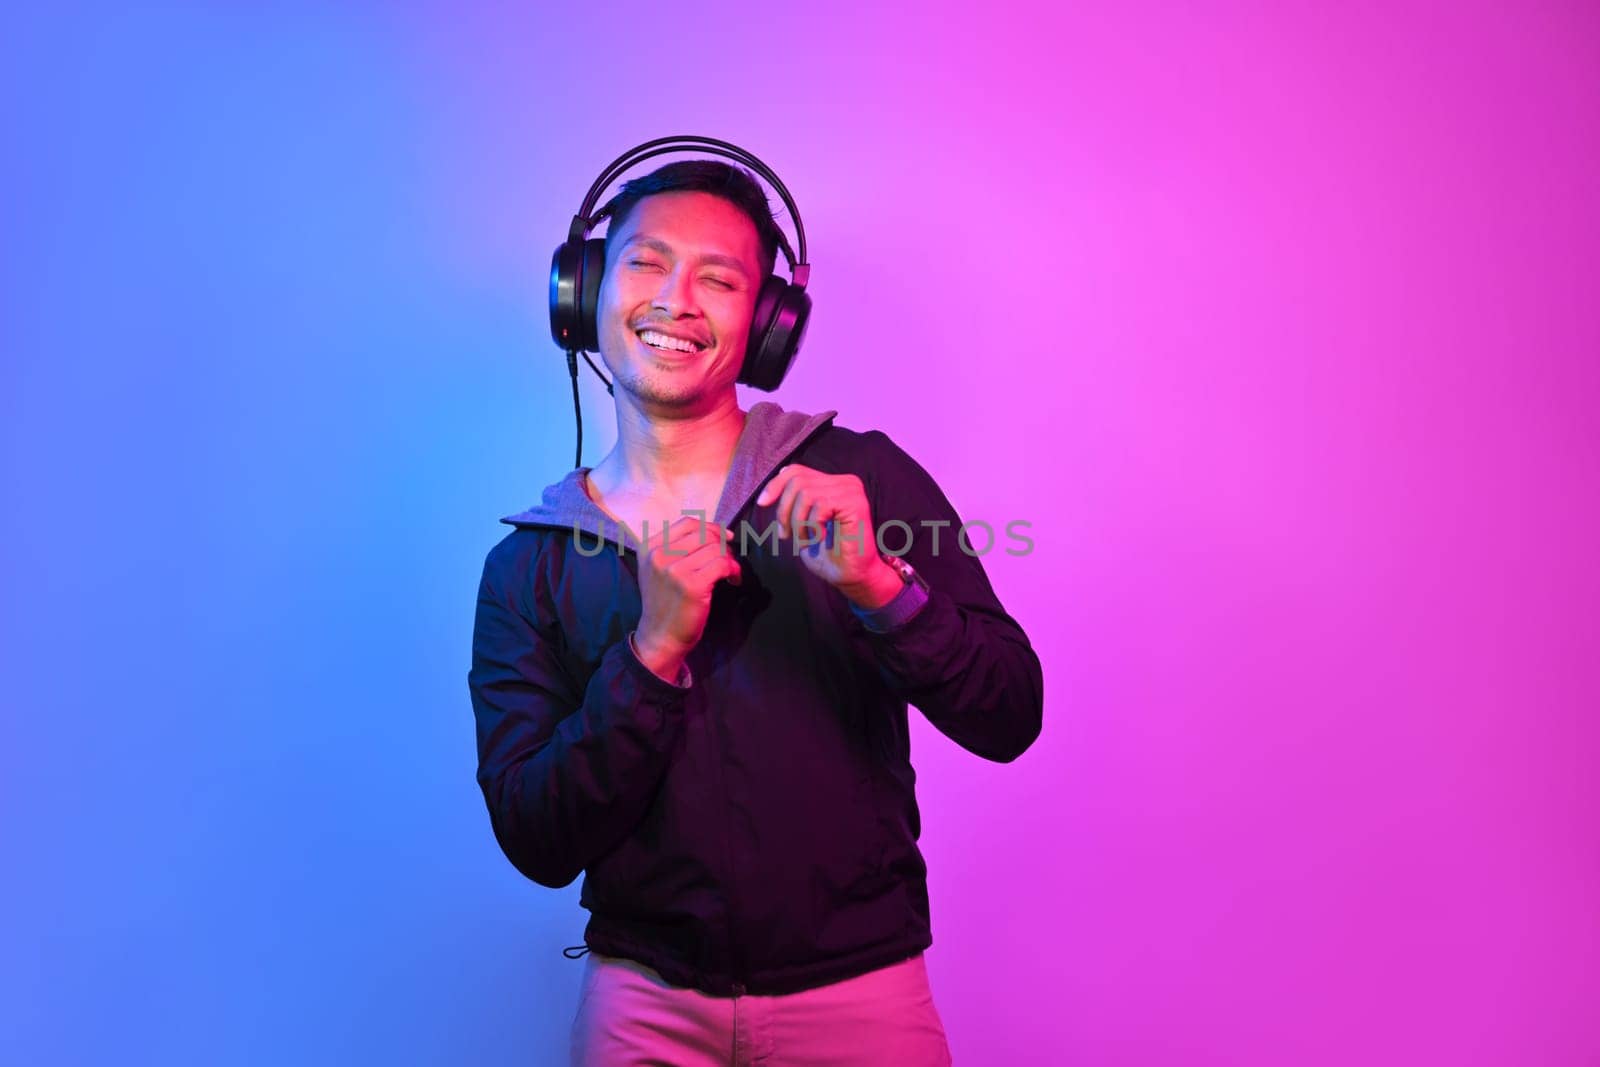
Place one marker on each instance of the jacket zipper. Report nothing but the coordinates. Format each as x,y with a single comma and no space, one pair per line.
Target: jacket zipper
736,963
735,953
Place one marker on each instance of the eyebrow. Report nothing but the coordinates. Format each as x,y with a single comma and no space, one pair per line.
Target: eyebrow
715,259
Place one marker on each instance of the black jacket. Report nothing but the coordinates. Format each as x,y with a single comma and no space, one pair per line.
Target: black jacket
755,831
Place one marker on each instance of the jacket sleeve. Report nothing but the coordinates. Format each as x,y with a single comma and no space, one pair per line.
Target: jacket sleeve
960,658
567,772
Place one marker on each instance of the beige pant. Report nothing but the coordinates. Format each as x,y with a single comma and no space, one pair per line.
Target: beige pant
628,1016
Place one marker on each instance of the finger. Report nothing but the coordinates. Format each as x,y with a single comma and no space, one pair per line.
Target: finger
820,508
777,483
773,487
809,513
704,567
659,534
788,505
693,555
690,530
820,505
792,493
711,567
668,548
693,539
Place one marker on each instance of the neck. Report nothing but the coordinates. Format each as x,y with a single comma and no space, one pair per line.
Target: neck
659,450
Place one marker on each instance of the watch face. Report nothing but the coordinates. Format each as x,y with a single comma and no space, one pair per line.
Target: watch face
908,574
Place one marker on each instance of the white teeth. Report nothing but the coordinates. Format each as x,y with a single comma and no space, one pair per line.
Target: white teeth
656,339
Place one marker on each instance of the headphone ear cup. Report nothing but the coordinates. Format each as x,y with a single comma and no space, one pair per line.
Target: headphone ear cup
776,330
564,274
594,268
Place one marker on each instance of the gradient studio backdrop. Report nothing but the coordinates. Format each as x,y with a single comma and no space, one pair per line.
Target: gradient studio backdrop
1278,324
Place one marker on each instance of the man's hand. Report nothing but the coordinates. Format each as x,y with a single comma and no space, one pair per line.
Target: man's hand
830,521
677,569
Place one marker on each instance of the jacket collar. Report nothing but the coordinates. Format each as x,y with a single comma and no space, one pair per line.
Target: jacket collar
769,435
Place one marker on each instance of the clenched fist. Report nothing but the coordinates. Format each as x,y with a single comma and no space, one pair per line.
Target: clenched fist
677,569
831,522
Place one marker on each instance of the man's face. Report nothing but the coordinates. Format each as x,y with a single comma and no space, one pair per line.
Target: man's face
685,265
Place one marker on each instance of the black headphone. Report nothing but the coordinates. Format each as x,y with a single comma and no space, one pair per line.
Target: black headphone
782,308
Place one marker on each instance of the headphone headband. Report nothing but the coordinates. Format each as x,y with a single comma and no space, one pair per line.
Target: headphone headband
799,269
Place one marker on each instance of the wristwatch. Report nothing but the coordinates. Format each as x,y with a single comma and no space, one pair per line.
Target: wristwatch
905,570
904,605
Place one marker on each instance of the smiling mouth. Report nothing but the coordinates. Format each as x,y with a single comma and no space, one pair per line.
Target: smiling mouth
663,343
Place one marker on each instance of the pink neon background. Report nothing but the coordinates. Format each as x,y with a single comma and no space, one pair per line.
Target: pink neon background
1279,326
1280,330
1276,321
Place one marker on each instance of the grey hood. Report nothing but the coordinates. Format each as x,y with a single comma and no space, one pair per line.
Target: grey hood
770,434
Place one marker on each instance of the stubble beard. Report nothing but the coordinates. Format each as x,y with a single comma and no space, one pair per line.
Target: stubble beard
650,384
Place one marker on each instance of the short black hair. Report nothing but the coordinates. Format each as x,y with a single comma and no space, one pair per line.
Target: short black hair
734,184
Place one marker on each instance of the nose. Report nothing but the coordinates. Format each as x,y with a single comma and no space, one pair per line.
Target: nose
676,295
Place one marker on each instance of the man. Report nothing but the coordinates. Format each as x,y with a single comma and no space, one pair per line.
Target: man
685,693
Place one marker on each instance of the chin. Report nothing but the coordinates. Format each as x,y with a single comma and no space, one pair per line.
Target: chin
670,391
655,386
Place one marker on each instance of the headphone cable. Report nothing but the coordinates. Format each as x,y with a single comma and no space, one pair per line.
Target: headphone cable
577,409
603,379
